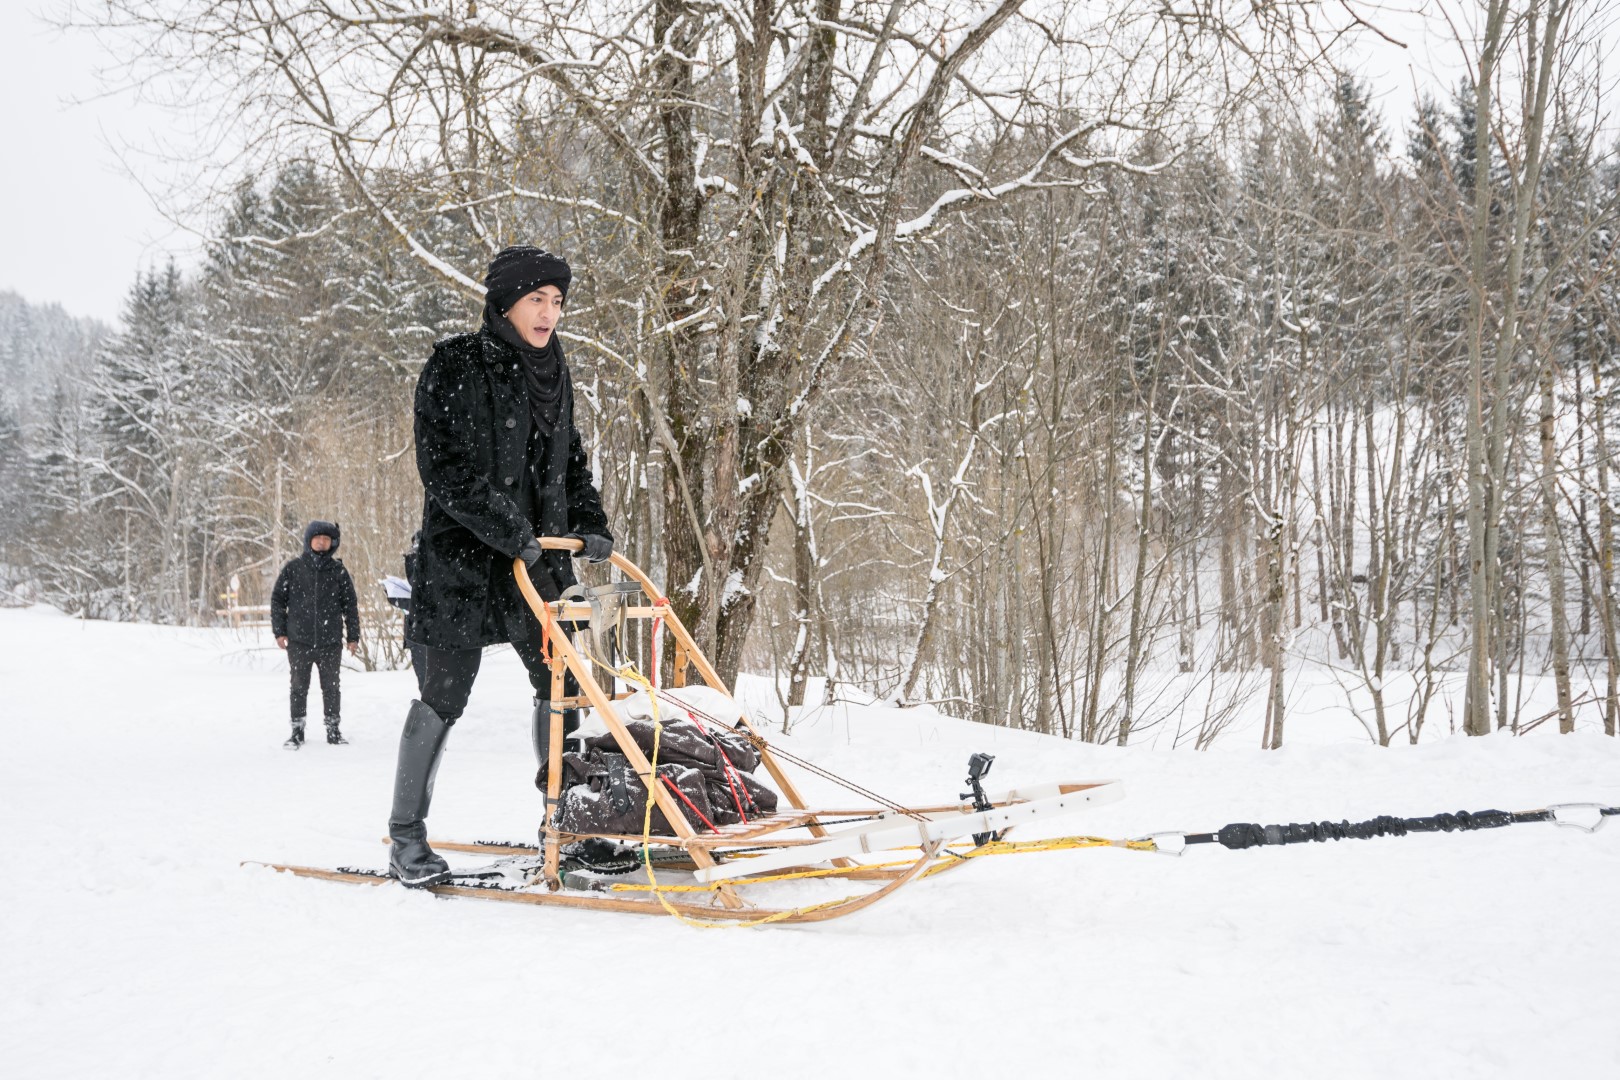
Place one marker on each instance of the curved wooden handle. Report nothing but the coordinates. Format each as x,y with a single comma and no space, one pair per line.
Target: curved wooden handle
565,543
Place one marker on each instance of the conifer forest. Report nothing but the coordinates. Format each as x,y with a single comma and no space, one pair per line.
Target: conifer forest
1062,365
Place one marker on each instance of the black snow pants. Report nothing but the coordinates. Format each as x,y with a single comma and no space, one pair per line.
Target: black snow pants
327,661
445,676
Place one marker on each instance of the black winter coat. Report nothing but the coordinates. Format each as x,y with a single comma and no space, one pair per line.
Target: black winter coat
314,601
490,483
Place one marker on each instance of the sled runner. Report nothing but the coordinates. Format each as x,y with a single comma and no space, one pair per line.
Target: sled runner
754,863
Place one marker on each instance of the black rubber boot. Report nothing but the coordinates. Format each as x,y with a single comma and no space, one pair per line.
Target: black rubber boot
421,745
295,740
540,732
335,737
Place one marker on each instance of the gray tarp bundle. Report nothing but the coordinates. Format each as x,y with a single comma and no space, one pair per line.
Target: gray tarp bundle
710,768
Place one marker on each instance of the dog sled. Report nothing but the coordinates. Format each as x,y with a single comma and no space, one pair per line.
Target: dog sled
793,863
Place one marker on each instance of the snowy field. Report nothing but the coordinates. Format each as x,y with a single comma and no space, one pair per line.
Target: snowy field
143,764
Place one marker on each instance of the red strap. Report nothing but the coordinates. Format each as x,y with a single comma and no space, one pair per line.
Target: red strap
545,635
653,678
682,796
546,623
729,770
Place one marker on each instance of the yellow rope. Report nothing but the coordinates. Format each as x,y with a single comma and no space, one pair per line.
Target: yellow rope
833,871
630,674
996,847
999,847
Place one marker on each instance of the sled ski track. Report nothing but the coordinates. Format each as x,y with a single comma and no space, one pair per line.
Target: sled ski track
595,901
890,833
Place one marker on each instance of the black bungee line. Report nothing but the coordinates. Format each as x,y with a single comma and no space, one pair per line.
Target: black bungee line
1240,835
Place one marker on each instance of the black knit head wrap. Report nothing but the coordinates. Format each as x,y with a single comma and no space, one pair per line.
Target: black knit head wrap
513,274
517,271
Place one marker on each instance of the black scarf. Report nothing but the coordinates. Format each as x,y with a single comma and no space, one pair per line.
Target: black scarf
544,371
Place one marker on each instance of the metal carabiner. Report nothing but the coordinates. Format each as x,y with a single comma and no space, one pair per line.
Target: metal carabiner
1585,816
1173,844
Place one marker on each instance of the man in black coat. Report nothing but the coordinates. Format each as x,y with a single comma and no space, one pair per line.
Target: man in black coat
311,606
501,463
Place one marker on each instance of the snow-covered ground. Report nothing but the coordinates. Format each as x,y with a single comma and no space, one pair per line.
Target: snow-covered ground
141,765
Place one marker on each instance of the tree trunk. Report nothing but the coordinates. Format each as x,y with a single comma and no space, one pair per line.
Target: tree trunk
1135,647
1608,616
689,568
1481,481
1554,541
804,587
1091,721
1491,452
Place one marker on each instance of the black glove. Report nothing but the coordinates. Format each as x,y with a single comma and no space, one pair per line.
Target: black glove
597,548
531,555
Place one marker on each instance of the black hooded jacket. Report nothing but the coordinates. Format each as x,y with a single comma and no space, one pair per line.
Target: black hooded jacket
314,599
491,480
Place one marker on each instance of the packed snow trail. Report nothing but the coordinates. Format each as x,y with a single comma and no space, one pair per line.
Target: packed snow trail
143,764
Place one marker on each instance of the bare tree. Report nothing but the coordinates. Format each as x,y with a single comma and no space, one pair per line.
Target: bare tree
719,163
1540,27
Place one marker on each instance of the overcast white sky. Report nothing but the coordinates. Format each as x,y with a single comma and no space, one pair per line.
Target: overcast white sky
75,226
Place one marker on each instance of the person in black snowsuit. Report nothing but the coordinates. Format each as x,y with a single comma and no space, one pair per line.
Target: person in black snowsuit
501,462
311,607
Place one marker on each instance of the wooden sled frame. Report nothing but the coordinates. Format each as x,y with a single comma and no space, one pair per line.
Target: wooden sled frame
911,842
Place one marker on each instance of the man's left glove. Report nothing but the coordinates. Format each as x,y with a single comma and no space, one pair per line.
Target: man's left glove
597,548
530,554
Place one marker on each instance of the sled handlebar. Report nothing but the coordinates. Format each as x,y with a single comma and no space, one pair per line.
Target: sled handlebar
569,544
